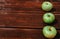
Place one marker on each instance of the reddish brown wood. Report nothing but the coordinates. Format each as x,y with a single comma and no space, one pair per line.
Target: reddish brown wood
22,19
32,7
15,33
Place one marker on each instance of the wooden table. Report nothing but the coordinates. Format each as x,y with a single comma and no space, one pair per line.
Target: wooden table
22,19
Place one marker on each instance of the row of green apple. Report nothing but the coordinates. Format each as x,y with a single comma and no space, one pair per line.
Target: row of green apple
48,31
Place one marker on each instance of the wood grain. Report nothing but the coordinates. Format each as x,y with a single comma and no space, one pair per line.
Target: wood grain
22,19
26,21
27,13
15,33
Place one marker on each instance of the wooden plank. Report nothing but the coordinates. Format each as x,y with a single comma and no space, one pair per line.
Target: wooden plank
15,33
26,6
22,20
30,7
7,33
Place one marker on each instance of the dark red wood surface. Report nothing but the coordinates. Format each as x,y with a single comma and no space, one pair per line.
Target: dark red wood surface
22,19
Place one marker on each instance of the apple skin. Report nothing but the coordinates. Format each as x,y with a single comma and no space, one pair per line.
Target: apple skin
48,18
47,6
49,31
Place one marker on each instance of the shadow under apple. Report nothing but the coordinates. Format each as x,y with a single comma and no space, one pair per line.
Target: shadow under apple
52,24
57,36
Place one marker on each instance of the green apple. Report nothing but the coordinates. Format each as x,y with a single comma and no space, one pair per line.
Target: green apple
48,18
49,31
47,6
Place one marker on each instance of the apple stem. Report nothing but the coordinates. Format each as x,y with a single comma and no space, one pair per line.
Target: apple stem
46,3
48,15
50,28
